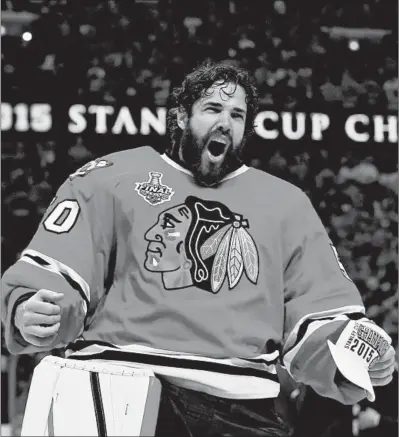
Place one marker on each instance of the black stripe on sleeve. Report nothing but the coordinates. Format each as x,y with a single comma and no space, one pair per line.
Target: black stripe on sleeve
75,285
305,325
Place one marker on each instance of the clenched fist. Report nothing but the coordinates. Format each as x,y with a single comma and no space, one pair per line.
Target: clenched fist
38,318
381,372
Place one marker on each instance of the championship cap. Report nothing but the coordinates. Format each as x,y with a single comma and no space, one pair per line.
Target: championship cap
360,345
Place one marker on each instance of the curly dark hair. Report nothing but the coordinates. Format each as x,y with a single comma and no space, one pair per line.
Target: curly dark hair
201,79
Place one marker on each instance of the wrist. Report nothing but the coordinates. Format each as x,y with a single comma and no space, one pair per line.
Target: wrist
16,320
18,315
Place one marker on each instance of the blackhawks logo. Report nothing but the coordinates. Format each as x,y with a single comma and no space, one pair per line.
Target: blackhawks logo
153,191
89,167
201,243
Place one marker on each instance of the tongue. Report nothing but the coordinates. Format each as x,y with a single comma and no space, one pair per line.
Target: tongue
216,148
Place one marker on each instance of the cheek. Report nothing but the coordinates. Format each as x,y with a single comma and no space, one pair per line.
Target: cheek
179,247
238,134
172,235
200,126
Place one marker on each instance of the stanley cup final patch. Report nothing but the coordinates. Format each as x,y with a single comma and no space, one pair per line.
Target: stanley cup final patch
154,191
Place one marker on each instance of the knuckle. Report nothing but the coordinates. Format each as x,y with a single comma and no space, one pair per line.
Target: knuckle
29,330
47,310
35,331
41,294
28,305
50,310
55,309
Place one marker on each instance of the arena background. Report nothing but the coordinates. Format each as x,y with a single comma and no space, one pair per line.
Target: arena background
83,79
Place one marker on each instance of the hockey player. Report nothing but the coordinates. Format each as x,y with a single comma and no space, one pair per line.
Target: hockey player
199,268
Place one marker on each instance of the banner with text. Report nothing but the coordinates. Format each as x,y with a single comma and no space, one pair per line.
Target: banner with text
54,120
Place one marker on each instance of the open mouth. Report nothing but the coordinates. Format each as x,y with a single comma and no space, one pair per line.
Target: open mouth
216,148
153,260
153,257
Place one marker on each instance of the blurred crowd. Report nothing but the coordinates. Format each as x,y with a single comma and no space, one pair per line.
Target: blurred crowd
297,55
113,51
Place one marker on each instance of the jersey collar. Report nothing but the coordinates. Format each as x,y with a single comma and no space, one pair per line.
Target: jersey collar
177,166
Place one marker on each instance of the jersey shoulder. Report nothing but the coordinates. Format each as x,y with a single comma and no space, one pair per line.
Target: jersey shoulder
132,160
109,169
267,183
288,200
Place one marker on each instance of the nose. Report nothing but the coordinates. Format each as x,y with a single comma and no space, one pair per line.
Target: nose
224,122
151,235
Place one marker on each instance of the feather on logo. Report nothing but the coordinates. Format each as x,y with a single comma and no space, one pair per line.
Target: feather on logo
235,252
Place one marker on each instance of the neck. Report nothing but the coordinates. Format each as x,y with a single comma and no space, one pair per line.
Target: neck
177,279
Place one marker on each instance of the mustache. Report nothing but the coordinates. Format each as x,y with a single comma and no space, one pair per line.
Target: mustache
217,133
156,246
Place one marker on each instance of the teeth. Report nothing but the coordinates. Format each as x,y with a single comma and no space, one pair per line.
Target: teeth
221,141
154,262
214,159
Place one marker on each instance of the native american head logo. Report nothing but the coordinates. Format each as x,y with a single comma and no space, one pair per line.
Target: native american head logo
199,243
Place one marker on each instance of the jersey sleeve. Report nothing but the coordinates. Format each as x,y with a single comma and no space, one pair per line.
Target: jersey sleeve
320,300
70,254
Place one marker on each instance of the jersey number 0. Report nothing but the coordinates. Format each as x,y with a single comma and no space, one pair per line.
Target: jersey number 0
63,217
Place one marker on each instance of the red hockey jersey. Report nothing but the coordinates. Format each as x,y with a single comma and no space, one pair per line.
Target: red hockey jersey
207,286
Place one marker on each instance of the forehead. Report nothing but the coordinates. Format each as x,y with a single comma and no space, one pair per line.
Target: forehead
225,93
177,213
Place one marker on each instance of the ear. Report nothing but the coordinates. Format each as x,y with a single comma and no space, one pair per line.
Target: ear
182,118
186,264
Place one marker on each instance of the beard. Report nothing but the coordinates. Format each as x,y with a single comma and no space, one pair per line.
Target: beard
193,153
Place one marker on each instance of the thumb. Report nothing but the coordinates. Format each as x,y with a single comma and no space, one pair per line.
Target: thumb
49,295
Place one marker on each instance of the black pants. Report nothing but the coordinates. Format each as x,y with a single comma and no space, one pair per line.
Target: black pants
188,413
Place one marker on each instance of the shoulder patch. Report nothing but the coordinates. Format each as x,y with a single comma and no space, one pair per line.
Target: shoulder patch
154,191
90,166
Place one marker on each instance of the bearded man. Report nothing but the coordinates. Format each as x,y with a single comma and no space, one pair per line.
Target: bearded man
197,268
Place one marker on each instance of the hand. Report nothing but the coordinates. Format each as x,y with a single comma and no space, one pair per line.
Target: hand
381,371
368,419
38,318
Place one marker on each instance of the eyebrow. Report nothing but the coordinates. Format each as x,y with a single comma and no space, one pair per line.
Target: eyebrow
218,105
171,217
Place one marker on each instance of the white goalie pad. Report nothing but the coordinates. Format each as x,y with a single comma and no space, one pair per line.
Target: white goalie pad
81,398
